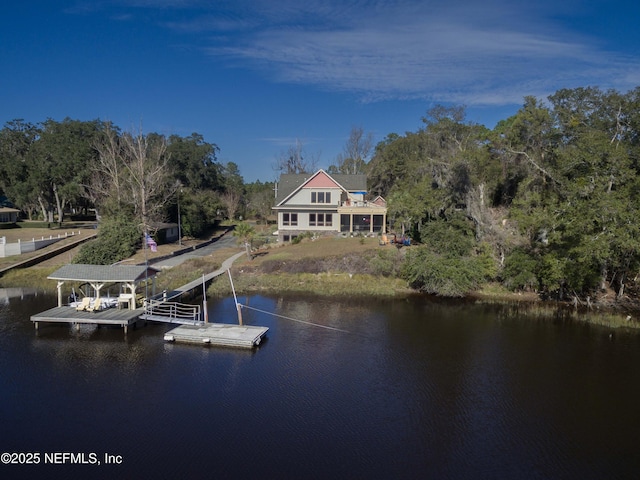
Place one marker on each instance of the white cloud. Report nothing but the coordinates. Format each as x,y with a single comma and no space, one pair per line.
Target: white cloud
489,53
493,54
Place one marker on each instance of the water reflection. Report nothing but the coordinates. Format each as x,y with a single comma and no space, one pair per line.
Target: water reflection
405,389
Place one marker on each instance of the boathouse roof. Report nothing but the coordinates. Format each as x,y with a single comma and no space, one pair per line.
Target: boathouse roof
104,273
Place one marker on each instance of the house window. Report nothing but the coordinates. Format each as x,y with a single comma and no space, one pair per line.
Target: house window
290,219
320,219
320,197
328,218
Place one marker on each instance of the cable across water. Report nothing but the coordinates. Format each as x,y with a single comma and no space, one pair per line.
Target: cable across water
294,319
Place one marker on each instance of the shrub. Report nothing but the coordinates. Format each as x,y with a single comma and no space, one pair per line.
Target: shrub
452,238
437,274
118,238
386,262
519,271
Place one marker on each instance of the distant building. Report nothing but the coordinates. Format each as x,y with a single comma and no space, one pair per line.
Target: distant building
166,232
326,204
8,214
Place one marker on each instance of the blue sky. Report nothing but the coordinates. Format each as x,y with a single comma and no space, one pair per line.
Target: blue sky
254,76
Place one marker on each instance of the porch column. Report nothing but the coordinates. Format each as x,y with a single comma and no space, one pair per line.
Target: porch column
132,289
351,223
371,223
60,293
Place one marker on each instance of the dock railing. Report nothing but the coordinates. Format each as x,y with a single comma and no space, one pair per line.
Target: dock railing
174,312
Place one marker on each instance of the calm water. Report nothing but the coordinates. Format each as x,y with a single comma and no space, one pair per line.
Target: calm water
416,389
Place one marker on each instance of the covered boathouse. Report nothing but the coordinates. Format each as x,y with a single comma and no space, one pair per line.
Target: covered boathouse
128,277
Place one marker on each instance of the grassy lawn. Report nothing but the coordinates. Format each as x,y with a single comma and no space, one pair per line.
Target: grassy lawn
320,248
26,234
13,235
333,280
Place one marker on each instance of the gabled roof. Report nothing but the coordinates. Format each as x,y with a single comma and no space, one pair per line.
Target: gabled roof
104,273
290,183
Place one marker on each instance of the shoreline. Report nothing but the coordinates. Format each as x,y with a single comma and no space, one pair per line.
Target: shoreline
342,286
289,277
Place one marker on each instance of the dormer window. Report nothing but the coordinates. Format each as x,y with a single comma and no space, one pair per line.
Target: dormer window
320,197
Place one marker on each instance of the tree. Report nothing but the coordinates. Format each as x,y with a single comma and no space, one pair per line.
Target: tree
245,234
147,177
356,153
58,163
194,162
16,140
231,202
295,160
106,185
198,209
260,199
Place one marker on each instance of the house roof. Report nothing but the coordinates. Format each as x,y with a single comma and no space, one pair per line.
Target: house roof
8,210
289,182
104,273
162,225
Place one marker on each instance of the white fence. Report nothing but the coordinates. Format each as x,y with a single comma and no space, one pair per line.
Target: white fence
9,249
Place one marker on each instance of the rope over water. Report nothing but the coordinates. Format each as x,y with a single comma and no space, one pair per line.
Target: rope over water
295,319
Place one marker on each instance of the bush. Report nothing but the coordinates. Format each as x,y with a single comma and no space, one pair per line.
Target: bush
451,238
386,262
519,271
118,238
448,276
298,238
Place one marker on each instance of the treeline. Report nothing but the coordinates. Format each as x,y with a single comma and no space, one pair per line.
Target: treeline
54,169
546,201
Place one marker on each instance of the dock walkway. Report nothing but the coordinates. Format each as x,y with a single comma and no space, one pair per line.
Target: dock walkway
110,316
178,292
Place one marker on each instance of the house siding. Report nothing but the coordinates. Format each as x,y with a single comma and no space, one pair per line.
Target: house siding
306,201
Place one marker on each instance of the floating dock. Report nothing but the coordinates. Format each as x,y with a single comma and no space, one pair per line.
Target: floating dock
223,334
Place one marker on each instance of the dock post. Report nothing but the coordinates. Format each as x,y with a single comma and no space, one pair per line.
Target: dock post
77,327
126,328
239,308
36,324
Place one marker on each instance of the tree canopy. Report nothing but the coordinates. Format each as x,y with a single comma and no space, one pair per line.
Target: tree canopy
547,200
552,190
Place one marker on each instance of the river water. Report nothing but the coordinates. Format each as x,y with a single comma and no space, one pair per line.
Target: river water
403,390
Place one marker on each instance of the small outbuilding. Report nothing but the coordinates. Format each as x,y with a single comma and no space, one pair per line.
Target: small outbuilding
8,215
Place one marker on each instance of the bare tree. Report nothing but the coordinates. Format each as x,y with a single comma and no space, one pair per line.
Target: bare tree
231,201
106,181
357,151
147,176
295,160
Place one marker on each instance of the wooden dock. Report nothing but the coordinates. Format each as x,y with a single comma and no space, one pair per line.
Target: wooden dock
223,334
110,316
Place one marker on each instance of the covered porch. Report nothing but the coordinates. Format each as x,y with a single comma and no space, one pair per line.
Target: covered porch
365,219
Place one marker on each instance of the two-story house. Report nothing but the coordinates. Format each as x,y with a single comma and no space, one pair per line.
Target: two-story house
326,204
